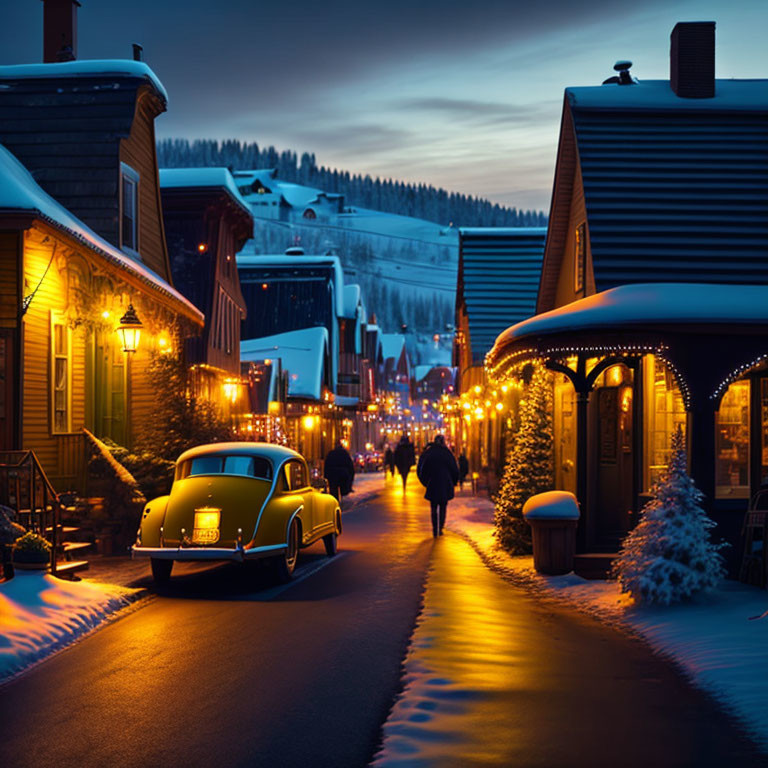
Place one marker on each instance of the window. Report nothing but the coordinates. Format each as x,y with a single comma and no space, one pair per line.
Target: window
732,443
297,475
61,375
129,208
249,466
580,258
664,412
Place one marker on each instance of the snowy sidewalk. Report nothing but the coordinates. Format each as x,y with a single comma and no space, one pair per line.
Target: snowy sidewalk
714,640
40,615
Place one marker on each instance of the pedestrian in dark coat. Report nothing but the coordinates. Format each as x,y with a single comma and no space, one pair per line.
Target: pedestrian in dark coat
438,473
405,458
463,470
339,471
389,461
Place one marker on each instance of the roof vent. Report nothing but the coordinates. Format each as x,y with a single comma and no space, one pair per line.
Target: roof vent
137,52
623,78
294,250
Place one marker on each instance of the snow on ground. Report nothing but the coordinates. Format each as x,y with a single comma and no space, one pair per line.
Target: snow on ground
365,487
716,640
40,614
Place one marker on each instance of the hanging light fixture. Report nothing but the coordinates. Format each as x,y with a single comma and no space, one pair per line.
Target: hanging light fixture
129,330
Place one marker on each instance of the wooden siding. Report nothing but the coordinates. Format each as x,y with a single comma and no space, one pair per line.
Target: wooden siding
9,300
566,283
138,151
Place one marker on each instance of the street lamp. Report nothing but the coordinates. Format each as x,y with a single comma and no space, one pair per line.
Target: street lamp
129,330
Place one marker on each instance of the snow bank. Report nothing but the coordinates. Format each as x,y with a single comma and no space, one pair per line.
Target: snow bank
40,614
716,639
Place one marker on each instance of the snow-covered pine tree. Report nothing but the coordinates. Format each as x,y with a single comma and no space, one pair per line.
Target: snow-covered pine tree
529,468
669,556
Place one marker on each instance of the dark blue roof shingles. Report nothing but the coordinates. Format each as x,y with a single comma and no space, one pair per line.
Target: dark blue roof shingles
500,279
674,194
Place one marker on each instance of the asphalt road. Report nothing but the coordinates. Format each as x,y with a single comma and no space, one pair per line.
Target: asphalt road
225,668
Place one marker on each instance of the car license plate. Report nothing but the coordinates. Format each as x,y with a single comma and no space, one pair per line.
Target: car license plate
206,530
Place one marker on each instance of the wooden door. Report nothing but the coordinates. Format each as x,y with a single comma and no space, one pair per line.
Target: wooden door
615,466
109,389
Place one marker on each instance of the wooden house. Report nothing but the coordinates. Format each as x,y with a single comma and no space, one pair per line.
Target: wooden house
82,240
397,367
654,288
206,224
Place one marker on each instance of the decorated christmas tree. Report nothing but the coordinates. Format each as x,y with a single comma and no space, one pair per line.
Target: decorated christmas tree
669,556
528,469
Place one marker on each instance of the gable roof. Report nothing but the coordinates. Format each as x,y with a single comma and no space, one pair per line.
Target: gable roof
204,178
392,345
302,354
20,192
675,188
499,271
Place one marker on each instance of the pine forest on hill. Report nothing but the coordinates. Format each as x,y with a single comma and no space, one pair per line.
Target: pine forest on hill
418,200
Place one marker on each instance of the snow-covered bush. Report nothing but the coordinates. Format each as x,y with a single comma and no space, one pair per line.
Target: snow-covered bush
528,469
669,557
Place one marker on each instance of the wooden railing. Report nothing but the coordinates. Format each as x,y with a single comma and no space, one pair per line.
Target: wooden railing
25,488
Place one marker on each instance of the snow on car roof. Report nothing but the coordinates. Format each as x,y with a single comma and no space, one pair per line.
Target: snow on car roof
275,453
85,68
203,178
20,192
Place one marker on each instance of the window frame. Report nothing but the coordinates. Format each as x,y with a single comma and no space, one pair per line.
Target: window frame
129,174
57,319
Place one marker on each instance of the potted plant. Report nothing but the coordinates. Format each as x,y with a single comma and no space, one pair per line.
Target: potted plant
31,552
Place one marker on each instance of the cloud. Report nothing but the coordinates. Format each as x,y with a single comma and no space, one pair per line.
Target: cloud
485,112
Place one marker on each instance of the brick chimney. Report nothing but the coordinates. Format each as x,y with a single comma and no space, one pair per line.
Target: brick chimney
692,59
60,30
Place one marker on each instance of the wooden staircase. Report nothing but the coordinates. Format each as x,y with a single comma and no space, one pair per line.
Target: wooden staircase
25,489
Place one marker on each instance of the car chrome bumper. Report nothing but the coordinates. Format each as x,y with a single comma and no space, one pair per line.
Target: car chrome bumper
206,553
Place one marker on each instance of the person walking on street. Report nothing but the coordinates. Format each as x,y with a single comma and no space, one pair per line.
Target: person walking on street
438,473
389,461
405,458
463,469
339,471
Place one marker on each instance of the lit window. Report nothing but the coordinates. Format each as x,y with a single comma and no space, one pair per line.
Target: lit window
61,375
732,443
580,257
129,208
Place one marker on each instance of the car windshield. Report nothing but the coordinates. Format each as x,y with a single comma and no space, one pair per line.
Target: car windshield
250,466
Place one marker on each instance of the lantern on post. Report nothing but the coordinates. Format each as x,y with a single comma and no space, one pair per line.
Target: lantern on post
129,330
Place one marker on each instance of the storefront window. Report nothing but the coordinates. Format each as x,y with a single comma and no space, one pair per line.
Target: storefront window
764,431
732,471
565,434
664,412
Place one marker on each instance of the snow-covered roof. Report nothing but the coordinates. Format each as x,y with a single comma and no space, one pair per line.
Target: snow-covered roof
297,195
392,345
86,68
250,260
420,371
737,95
203,178
20,192
351,300
301,353
346,401
645,304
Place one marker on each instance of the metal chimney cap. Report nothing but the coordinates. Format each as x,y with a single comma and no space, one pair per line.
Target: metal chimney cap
622,64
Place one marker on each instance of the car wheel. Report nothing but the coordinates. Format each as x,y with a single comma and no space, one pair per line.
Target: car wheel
331,544
161,570
285,565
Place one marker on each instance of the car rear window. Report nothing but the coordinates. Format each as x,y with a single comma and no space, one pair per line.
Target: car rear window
250,466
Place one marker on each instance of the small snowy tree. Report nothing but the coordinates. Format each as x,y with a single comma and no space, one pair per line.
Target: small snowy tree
528,469
669,556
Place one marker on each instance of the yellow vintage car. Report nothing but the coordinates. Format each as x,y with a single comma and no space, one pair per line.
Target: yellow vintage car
237,501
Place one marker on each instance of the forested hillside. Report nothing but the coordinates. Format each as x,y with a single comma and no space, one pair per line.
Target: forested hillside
418,200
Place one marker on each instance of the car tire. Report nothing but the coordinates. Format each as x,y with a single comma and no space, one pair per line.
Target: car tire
161,570
331,544
285,565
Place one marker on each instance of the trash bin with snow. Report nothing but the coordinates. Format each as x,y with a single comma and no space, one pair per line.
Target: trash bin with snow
553,517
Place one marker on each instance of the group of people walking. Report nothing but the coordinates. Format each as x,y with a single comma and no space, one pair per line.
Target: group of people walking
438,471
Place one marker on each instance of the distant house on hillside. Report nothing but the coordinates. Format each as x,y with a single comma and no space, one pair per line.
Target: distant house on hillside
206,224
397,366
